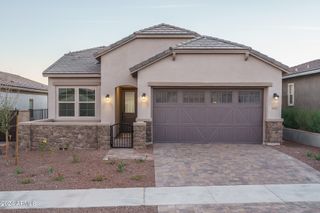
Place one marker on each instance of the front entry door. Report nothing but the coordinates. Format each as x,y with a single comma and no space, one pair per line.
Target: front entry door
128,106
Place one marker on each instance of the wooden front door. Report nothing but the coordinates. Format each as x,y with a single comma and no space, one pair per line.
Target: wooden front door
128,106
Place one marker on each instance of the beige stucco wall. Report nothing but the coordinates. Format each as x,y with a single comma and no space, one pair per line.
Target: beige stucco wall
115,68
211,68
53,83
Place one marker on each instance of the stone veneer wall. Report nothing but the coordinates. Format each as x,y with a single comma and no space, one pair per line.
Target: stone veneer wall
61,135
139,135
274,132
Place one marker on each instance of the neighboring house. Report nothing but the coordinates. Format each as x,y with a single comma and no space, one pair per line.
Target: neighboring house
301,87
188,88
27,96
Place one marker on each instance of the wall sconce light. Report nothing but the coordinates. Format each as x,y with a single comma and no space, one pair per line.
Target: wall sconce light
275,96
108,98
143,97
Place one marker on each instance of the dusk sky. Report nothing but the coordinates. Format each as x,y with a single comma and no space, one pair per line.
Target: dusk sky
35,33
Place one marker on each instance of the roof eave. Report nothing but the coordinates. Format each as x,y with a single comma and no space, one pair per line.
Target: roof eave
300,74
71,74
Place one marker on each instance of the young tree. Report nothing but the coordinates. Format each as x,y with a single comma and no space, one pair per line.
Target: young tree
7,112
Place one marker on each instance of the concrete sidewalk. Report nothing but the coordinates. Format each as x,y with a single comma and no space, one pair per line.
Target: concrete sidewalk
237,194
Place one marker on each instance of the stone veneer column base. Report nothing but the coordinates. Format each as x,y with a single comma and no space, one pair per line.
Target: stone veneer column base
273,132
139,135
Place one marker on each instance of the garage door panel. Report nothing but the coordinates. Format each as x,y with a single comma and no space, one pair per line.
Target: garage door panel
219,115
194,115
166,115
208,117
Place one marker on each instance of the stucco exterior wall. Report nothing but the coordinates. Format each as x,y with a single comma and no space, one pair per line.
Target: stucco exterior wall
306,91
211,68
20,100
53,83
115,68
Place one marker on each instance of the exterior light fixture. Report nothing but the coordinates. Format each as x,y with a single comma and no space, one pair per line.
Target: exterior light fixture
108,98
143,97
275,96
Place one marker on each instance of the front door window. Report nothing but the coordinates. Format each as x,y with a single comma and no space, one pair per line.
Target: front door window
129,104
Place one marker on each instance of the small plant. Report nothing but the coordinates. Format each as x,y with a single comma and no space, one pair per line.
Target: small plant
19,171
43,145
59,177
26,181
50,170
136,177
121,167
75,158
317,157
309,154
79,172
98,178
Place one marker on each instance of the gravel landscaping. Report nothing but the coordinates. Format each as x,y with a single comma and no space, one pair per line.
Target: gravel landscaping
307,154
76,169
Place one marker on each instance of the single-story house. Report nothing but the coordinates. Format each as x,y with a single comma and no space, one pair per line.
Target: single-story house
26,96
301,87
172,84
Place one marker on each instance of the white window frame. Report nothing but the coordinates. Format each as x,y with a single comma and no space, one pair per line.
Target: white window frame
76,103
289,94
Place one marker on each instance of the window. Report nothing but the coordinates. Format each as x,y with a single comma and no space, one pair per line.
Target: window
166,97
221,97
249,97
66,102
291,94
86,102
129,103
30,103
193,97
76,102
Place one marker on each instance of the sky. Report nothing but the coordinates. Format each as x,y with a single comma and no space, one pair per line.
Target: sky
36,33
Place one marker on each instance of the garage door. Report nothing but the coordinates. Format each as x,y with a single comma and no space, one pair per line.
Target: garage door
207,116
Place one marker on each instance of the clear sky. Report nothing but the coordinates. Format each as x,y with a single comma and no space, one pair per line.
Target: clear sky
35,33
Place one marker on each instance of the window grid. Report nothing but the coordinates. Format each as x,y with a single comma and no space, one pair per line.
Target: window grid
221,97
249,97
193,97
166,97
291,94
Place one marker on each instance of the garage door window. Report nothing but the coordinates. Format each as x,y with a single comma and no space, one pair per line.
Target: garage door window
249,97
166,97
221,97
193,97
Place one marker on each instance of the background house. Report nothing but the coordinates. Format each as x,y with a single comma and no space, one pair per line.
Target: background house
28,97
301,87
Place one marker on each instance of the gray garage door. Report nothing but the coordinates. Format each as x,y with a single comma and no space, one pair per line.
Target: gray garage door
207,116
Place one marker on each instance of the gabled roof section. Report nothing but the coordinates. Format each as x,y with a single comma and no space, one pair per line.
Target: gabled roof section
160,30
208,42
310,65
301,73
79,62
203,43
8,80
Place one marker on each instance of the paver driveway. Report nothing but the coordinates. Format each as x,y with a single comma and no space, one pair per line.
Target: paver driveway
226,164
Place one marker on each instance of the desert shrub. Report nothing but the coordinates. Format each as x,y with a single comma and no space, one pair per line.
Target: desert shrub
136,177
43,145
26,181
121,167
98,178
303,119
50,170
317,156
59,177
75,158
309,154
19,171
